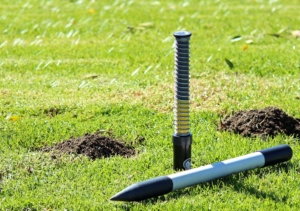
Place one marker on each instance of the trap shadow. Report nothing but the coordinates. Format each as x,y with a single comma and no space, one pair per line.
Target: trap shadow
233,181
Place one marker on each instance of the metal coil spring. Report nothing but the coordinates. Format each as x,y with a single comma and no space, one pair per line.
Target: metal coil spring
182,83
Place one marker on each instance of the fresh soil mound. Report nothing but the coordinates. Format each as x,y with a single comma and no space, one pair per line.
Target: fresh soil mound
270,121
93,146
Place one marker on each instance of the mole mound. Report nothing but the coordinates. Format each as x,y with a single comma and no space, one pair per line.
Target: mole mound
267,122
93,146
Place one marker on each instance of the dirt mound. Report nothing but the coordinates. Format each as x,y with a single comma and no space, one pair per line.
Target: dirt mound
92,145
267,122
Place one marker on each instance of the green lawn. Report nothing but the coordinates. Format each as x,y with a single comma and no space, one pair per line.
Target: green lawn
108,65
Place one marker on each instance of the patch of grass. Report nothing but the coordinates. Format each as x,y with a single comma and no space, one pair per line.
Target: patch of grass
73,67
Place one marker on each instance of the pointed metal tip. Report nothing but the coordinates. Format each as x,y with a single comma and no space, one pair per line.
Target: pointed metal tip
119,197
128,194
114,198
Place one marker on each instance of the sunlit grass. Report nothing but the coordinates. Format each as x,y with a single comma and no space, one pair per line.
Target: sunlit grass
73,67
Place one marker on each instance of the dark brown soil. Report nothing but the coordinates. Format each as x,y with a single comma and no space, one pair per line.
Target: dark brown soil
93,146
269,121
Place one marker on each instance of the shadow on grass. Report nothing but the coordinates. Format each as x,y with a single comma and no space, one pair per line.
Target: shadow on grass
234,181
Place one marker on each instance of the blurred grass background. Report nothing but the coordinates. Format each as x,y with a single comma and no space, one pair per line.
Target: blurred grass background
108,65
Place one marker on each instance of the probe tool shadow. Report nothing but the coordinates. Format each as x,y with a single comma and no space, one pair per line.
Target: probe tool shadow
240,187
230,181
